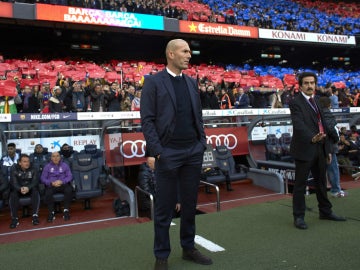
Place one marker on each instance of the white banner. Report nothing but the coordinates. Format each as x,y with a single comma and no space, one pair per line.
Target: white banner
306,37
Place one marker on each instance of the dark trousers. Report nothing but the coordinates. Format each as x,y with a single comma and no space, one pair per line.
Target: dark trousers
15,197
50,191
177,175
317,167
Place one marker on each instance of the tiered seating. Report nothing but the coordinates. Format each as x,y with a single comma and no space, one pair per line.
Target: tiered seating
273,77
302,15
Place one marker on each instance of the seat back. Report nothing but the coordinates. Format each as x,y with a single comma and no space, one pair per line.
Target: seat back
272,147
86,173
224,159
285,141
95,153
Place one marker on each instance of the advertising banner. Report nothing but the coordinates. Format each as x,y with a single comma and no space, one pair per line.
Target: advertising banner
127,149
98,17
306,37
217,29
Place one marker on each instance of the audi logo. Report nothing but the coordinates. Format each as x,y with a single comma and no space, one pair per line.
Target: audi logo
229,140
134,149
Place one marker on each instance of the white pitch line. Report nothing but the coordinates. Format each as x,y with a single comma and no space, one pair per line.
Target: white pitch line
211,246
242,199
61,226
207,244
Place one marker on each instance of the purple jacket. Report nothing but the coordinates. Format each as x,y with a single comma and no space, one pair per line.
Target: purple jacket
52,172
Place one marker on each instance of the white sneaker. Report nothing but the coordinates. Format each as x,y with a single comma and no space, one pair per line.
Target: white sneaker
343,193
356,175
339,194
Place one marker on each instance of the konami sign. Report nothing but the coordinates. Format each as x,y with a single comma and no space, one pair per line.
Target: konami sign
306,37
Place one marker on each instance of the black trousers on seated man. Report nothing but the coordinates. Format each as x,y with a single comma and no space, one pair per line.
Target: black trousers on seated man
66,189
183,165
15,197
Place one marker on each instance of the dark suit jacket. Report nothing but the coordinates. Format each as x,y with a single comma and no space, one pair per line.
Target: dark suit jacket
158,110
305,127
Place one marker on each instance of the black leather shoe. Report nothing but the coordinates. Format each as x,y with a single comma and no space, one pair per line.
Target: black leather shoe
333,217
161,264
300,224
195,256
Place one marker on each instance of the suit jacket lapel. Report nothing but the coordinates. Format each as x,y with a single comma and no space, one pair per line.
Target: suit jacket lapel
169,87
192,94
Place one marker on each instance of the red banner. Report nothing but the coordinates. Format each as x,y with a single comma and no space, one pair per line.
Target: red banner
127,149
6,10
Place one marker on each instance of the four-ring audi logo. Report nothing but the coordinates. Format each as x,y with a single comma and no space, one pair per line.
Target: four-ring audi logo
229,140
133,149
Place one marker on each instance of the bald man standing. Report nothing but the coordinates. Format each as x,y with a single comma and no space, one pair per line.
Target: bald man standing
172,124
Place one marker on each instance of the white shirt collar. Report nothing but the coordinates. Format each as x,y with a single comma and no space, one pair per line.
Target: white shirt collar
172,73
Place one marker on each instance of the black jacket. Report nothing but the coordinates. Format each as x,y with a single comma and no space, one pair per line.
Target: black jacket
19,178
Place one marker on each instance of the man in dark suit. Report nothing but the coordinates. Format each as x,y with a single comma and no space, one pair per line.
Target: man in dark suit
310,149
172,124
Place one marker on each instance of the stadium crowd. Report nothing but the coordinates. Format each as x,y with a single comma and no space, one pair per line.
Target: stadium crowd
330,17
71,86
58,86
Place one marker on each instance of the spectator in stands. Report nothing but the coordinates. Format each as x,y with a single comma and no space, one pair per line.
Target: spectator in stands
334,98
45,93
65,85
204,97
9,104
242,101
343,154
214,101
353,149
39,158
260,99
131,91
332,168
122,8
344,131
30,103
24,181
76,99
225,102
125,103
310,151
287,96
55,102
345,99
135,105
97,98
113,97
57,177
354,131
9,159
178,153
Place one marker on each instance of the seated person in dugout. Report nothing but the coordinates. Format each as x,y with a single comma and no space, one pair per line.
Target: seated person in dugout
57,177
24,181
